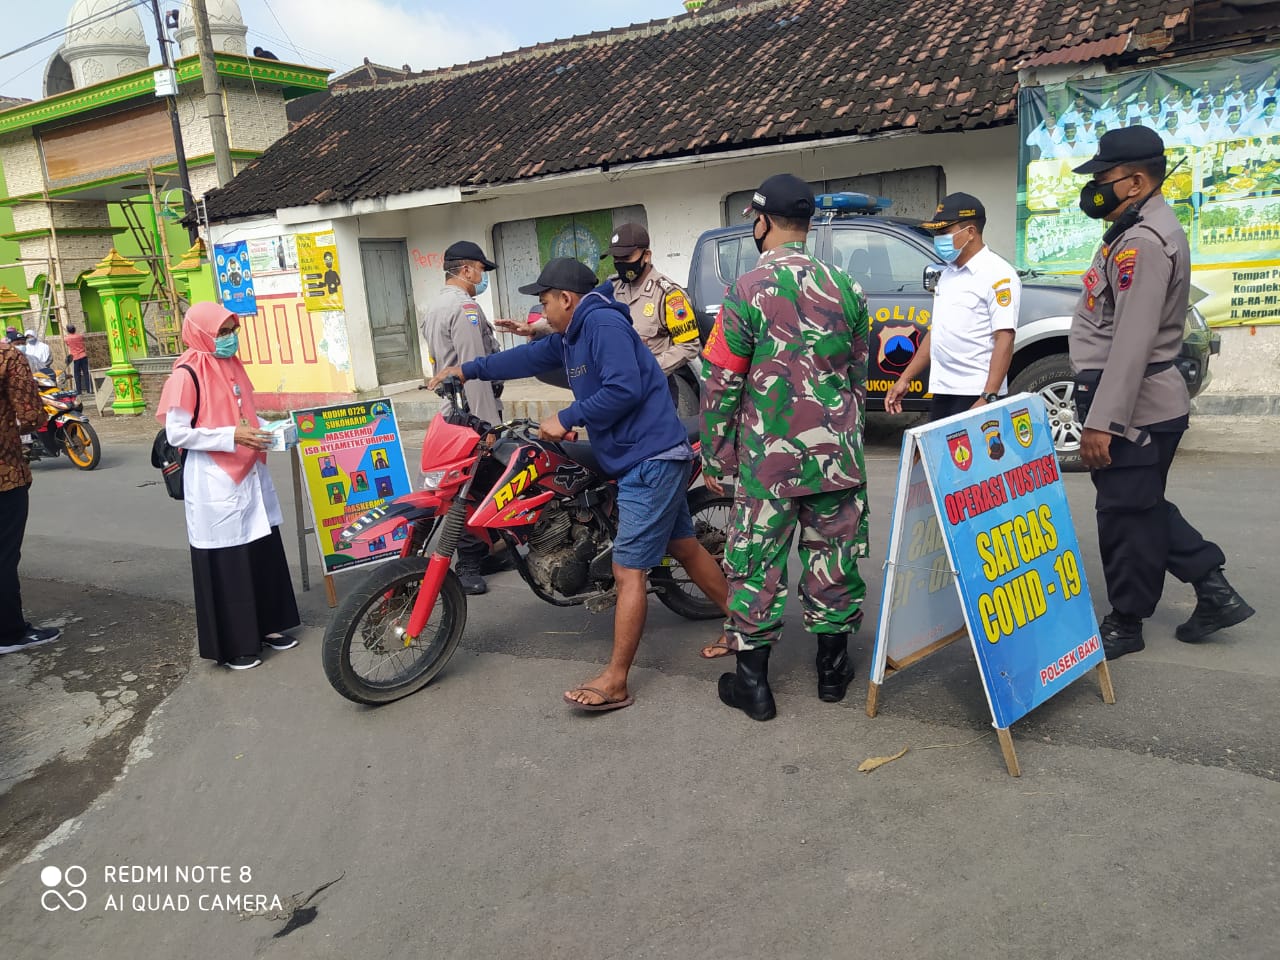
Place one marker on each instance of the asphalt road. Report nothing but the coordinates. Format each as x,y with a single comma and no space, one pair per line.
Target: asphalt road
481,817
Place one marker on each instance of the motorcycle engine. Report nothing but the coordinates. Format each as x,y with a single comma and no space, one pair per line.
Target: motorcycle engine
562,545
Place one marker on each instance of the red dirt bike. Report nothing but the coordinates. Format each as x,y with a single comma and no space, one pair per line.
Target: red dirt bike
547,500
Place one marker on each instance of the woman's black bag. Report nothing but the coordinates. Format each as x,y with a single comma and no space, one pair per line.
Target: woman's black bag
167,458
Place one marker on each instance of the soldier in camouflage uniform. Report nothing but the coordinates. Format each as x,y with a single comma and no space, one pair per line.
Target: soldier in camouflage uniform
783,404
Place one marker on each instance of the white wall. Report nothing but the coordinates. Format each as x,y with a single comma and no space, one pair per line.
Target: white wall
681,201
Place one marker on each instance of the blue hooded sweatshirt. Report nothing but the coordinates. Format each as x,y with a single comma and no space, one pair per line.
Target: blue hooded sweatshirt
620,393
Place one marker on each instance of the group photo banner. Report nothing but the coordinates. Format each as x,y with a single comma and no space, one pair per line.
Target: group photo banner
1218,118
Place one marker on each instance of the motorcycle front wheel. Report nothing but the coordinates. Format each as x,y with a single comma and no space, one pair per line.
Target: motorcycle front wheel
81,443
367,657
711,514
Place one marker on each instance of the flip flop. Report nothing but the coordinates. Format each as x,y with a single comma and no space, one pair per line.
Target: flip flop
722,645
598,707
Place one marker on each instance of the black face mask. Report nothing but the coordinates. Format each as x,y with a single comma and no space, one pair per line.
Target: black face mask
1097,200
760,240
630,270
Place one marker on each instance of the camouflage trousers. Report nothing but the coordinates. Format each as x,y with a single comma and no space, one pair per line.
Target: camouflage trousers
833,535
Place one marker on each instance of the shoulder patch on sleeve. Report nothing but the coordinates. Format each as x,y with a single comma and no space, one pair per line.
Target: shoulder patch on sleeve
1126,262
1004,281
1004,296
471,310
681,321
717,349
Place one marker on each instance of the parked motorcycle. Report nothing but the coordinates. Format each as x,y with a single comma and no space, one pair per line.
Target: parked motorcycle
550,503
68,430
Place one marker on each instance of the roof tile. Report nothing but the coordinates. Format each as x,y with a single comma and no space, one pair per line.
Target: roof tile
768,71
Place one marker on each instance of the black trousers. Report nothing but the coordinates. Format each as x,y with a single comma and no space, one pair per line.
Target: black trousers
945,405
14,505
80,368
1140,533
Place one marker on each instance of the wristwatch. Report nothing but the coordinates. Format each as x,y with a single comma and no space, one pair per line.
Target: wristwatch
991,397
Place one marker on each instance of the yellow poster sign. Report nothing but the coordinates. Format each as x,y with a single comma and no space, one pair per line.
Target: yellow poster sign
319,269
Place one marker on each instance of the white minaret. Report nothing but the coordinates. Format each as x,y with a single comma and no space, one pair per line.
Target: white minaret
226,28
102,47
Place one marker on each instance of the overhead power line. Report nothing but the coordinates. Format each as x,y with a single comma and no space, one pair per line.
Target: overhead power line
57,34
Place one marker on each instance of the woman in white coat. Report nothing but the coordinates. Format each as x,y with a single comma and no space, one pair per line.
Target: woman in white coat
243,591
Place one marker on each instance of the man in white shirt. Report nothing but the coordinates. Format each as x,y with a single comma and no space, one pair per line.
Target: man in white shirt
975,312
39,356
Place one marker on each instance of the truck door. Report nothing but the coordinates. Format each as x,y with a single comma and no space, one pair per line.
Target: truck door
890,268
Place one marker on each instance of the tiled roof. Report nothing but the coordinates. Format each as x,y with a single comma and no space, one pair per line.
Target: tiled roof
733,75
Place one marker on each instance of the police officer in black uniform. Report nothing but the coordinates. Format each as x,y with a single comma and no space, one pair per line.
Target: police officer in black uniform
1133,402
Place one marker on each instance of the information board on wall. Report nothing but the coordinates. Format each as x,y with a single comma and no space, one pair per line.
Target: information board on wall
1218,118
235,278
319,270
352,461
980,495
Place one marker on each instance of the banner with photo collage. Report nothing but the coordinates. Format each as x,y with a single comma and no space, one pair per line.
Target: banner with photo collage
1219,118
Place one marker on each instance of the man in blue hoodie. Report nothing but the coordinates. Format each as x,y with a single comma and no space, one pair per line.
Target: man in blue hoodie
621,397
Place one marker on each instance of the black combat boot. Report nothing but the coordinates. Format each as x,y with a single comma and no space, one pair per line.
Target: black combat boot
835,669
1217,606
1121,634
748,688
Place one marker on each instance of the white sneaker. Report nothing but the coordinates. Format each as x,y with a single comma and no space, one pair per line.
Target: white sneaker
243,663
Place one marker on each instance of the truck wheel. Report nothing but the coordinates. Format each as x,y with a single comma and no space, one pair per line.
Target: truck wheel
1052,378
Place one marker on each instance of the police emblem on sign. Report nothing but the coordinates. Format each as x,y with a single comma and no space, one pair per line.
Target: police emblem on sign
961,449
991,434
1022,426
898,344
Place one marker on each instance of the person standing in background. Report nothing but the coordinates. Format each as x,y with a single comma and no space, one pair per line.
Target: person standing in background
969,345
21,411
457,331
79,358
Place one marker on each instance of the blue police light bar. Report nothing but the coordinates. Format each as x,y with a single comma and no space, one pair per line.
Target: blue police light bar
851,202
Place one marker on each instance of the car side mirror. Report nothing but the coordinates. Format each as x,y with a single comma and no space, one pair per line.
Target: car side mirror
931,274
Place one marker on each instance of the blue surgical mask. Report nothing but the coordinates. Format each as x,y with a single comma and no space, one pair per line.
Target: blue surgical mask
226,345
944,245
483,285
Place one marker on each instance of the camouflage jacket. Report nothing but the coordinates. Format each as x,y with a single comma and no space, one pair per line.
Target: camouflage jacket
785,371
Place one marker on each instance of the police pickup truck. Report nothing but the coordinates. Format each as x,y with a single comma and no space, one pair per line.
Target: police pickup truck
893,259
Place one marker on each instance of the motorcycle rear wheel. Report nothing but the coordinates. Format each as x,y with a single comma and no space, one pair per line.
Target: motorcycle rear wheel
366,634
711,514
81,443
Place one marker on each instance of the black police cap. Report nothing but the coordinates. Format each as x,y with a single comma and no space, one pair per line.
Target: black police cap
954,208
563,273
785,196
466,250
1125,145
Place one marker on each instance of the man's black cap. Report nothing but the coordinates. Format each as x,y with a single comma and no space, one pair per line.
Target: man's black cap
466,250
784,195
954,208
563,273
1124,145
628,239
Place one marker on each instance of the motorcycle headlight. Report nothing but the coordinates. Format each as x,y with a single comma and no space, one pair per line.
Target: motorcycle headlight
431,479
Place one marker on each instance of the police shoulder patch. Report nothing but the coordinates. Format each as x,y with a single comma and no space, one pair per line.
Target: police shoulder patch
1126,262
